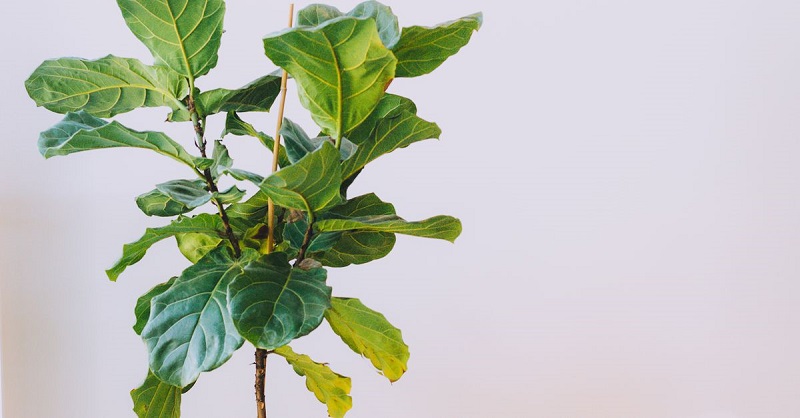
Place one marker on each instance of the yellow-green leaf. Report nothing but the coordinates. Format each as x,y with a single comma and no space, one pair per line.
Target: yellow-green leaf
370,334
329,387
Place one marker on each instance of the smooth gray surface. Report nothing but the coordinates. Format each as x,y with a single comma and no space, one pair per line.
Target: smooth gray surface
627,173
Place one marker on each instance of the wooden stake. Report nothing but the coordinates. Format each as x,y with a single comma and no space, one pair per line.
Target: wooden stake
277,146
261,355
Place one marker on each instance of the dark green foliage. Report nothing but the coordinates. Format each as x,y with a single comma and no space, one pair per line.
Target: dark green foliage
238,288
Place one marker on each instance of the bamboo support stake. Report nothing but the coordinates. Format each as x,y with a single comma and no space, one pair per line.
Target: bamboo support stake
261,355
277,145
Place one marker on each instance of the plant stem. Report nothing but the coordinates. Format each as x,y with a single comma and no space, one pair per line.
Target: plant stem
199,130
261,380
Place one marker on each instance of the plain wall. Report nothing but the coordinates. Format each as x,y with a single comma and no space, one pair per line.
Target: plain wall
627,173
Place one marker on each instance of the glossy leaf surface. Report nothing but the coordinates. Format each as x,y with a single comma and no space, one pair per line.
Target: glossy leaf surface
272,303
190,330
142,309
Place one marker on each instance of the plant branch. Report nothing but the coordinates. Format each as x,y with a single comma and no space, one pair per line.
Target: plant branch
199,130
261,380
306,242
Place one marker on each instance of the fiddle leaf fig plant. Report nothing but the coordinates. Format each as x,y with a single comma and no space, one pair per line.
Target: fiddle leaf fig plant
259,262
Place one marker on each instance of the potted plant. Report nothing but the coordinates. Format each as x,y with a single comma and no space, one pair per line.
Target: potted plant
259,262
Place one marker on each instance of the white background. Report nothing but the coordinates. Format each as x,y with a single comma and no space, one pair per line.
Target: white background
627,173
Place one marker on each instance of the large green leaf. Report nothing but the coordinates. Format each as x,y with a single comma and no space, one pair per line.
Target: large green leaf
317,14
423,49
357,247
341,67
234,125
390,134
370,334
156,399
104,87
439,227
388,26
340,249
142,309
272,303
390,106
191,193
156,203
195,246
329,387
257,96
135,251
182,34
190,330
81,131
312,184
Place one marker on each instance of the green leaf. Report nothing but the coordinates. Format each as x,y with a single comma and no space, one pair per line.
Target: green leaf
156,399
222,159
357,247
195,246
341,69
191,193
311,184
341,249
257,96
316,14
423,49
299,144
182,34
370,334
232,195
439,227
365,205
390,134
135,251
390,106
234,125
142,309
388,26
156,203
190,330
253,210
81,131
329,387
272,303
104,87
